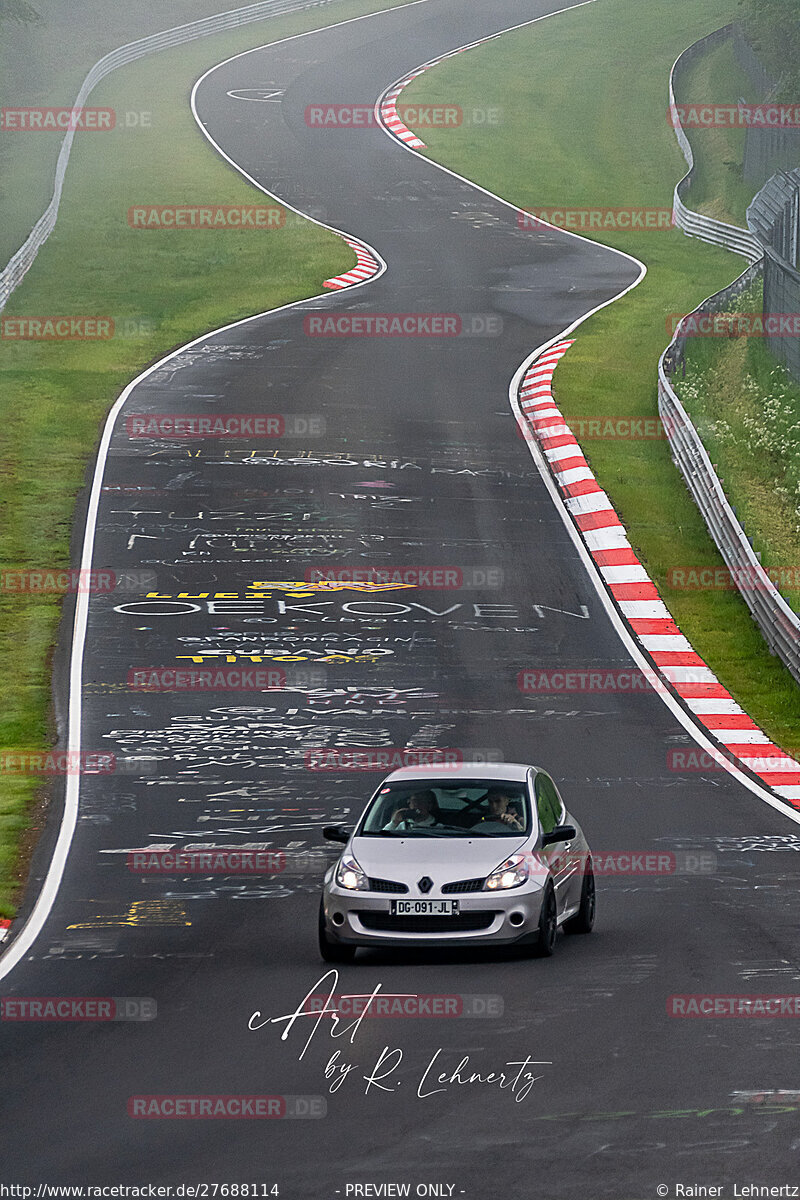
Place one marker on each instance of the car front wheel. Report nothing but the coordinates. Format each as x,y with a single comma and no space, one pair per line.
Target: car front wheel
548,925
583,920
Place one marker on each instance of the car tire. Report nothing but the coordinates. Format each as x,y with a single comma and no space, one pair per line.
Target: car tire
330,950
548,925
583,921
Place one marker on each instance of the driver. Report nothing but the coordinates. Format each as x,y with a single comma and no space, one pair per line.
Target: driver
499,812
420,811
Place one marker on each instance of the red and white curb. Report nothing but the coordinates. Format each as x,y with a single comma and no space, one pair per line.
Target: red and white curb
366,266
387,105
636,596
4,928
388,112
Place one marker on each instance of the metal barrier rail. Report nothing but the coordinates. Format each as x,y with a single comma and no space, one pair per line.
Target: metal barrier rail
20,263
779,624
773,215
694,224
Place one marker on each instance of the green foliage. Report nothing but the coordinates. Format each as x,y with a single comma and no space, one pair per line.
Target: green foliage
747,411
773,28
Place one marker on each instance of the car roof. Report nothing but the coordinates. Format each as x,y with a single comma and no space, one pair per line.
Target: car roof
483,771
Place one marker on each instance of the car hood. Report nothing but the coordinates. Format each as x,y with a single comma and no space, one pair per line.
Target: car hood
444,859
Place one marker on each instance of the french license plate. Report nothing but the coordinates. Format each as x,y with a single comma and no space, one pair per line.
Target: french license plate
424,908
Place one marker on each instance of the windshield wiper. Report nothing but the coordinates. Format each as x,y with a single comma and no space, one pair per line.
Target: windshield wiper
393,833
428,833
454,831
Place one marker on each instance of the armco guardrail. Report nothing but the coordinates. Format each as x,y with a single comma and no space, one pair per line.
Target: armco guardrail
776,620
21,262
693,223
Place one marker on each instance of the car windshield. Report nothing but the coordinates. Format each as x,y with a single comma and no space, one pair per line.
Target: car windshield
466,808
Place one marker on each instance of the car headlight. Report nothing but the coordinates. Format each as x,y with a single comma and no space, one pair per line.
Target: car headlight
350,876
510,874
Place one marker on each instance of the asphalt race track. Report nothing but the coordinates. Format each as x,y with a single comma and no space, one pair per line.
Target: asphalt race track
420,464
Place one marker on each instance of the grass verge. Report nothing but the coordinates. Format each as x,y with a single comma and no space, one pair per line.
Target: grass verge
42,64
45,63
610,145
718,189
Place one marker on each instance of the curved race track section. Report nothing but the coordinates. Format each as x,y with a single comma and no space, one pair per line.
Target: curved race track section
416,462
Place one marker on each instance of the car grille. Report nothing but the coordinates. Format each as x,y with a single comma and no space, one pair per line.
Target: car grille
462,923
463,885
387,885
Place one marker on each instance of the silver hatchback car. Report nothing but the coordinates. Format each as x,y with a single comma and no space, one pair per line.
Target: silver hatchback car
456,856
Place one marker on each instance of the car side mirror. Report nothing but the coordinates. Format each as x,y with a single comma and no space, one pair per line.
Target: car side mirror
337,833
561,833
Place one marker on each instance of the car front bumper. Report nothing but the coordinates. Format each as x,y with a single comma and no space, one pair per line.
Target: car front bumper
484,918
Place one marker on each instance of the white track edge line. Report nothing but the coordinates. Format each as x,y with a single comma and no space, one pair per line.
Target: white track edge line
625,634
